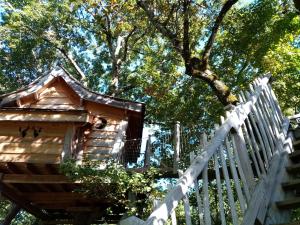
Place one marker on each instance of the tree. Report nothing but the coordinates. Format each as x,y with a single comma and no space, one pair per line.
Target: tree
169,54
146,51
174,23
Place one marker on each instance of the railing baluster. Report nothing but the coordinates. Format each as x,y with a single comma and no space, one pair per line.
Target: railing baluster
265,129
272,107
236,179
241,172
255,147
228,187
206,205
266,119
207,217
234,174
247,139
261,137
219,188
273,97
198,197
186,204
272,114
259,121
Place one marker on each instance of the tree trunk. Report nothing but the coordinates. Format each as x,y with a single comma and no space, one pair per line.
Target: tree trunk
297,4
114,85
196,69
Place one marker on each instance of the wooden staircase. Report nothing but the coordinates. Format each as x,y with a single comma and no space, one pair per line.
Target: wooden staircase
256,168
292,187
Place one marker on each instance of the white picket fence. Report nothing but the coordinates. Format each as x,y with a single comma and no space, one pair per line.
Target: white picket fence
243,155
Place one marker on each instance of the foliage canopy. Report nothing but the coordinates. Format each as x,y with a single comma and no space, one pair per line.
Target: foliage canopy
158,52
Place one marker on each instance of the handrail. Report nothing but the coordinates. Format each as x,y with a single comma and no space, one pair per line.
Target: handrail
257,129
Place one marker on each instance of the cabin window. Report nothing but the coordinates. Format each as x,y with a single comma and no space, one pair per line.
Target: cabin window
99,123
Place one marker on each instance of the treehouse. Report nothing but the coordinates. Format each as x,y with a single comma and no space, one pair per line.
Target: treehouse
54,119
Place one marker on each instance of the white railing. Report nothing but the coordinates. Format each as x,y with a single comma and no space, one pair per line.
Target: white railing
240,160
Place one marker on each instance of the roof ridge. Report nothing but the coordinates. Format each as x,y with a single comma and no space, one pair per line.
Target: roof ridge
79,89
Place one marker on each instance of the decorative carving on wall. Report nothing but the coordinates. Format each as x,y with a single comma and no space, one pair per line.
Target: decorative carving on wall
35,131
23,132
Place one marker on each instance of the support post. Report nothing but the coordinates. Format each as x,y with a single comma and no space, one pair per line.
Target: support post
148,152
186,204
67,149
176,147
173,213
198,197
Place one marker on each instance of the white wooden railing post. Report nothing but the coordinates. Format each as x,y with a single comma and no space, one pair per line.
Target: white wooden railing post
256,122
198,197
186,204
148,152
176,147
242,154
173,213
240,144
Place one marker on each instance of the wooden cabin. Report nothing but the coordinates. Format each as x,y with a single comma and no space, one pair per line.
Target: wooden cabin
53,119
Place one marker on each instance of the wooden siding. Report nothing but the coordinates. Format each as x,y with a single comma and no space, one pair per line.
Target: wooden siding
93,144
56,96
43,116
99,143
45,148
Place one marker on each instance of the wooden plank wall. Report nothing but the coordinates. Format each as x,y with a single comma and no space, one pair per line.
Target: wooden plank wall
99,143
48,147
45,148
57,96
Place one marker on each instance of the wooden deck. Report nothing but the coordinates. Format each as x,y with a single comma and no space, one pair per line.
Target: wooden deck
44,192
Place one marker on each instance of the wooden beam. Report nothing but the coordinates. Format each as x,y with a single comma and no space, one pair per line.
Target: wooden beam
35,179
83,209
19,200
43,116
118,144
54,222
67,149
30,158
56,197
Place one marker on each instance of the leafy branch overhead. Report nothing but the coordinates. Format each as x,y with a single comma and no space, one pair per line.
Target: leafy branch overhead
115,183
195,66
189,54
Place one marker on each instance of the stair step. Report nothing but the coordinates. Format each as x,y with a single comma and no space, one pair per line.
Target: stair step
296,144
291,223
293,168
295,155
289,203
291,185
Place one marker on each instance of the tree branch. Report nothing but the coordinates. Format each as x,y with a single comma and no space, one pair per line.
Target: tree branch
63,51
108,34
169,15
186,53
126,40
177,44
207,49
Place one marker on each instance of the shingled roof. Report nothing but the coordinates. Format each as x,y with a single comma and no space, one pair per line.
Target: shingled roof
77,87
